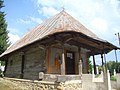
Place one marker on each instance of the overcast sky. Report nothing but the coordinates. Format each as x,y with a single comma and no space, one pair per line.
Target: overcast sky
100,16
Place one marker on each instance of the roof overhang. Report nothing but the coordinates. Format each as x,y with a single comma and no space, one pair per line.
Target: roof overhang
95,45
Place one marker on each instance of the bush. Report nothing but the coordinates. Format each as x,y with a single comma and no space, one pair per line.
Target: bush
113,78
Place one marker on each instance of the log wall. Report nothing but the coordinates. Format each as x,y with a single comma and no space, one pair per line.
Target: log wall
14,65
33,64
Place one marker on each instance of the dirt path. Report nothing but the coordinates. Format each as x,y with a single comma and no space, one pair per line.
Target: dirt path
7,85
4,87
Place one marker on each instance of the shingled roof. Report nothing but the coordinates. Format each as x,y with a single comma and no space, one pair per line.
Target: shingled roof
61,22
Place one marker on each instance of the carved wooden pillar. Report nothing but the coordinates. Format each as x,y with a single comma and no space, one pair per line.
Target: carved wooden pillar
102,59
94,65
63,62
103,66
80,62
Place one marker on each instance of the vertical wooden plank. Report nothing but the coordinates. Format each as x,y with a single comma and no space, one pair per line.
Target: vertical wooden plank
49,53
65,53
75,56
63,62
47,59
103,66
22,65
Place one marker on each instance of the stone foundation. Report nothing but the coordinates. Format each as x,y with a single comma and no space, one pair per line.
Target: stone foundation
24,84
59,82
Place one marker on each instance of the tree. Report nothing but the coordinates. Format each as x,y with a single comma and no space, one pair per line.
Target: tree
111,65
3,30
89,66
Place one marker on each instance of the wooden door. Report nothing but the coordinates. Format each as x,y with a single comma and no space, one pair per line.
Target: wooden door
70,62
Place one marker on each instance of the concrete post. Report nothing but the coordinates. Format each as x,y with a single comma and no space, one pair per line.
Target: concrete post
93,75
102,76
97,70
109,83
118,81
63,63
114,73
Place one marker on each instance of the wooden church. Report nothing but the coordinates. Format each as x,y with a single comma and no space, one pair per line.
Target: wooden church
61,45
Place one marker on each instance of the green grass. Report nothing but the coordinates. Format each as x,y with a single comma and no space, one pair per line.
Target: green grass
113,78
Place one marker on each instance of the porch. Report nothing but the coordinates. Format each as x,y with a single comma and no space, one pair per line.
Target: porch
67,53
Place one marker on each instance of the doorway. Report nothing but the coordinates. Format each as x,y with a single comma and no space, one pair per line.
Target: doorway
70,62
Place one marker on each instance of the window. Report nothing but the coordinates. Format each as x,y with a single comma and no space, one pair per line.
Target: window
70,55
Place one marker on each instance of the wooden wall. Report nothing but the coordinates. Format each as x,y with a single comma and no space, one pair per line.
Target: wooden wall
52,68
14,65
33,64
37,59
84,58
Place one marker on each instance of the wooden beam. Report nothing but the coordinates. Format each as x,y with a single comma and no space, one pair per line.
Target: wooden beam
102,60
80,44
94,65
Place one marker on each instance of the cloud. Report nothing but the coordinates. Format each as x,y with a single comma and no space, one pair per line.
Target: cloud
13,38
23,21
99,24
14,31
37,20
49,3
48,11
116,30
13,34
29,20
115,4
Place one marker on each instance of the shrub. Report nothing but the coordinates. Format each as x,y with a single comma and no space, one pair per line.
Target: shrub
113,78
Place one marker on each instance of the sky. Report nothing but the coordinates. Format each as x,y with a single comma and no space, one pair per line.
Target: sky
102,17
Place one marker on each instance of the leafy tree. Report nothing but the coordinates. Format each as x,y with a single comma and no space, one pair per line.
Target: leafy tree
89,66
111,65
3,31
2,63
118,67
